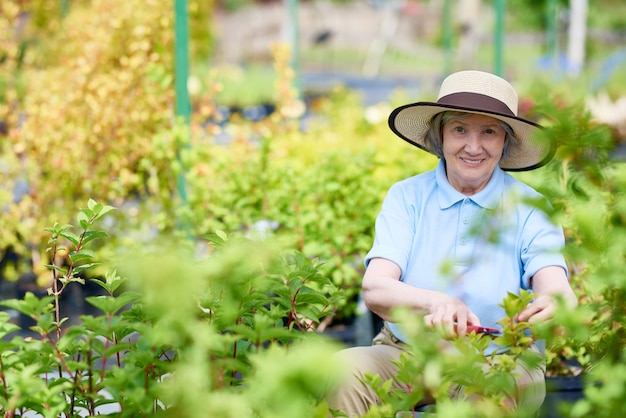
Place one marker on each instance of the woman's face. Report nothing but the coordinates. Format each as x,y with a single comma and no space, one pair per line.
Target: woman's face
472,148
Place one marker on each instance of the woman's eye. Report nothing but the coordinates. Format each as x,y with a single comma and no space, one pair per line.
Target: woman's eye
459,129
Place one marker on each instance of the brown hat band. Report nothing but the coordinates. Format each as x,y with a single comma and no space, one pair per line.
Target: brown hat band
476,102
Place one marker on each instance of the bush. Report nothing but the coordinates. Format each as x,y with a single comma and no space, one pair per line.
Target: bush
231,334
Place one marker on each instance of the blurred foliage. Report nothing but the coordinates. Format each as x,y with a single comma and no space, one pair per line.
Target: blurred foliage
608,15
221,332
585,183
241,86
435,366
201,35
532,13
98,89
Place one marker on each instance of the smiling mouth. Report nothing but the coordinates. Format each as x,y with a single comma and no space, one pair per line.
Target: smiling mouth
472,162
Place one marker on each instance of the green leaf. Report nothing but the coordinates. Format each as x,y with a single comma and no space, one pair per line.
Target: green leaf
218,239
311,297
120,347
91,235
310,312
83,267
61,270
73,279
110,304
73,238
103,211
45,324
83,220
94,211
31,305
83,254
57,229
111,282
5,326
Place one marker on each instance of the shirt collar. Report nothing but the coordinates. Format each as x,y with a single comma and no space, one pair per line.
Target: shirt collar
487,198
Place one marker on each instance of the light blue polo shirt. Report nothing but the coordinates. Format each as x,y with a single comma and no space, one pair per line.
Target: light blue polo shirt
475,248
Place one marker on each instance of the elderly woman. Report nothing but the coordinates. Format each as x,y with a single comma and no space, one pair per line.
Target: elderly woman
434,219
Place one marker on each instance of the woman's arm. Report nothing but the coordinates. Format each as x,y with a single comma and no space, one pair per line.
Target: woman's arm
383,291
547,283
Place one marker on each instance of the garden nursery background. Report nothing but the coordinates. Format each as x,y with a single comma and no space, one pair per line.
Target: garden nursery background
189,189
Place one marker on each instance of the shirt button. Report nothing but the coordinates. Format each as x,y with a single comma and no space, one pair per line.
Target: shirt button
462,241
465,221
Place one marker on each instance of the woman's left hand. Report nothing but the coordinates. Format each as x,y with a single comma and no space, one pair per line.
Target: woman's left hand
541,309
548,284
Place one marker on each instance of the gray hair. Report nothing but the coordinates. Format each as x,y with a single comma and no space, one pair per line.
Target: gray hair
433,140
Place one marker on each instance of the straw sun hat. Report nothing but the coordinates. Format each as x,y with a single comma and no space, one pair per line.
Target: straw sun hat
484,94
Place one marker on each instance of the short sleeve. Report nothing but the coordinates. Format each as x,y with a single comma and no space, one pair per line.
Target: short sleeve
395,228
542,245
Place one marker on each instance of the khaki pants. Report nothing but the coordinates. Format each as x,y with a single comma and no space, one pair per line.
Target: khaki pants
353,397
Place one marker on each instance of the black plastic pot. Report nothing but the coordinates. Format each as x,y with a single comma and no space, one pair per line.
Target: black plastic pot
561,390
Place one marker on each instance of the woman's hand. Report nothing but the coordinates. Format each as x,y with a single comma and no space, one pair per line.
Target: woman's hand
548,283
540,309
450,317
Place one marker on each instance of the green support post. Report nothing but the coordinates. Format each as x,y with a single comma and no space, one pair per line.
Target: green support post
183,103
183,106
498,38
552,30
447,36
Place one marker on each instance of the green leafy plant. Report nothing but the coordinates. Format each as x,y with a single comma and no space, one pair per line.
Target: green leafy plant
585,185
430,367
184,330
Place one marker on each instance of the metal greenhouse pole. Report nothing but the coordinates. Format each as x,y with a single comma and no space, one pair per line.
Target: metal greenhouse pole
500,6
552,29
181,66
183,106
447,36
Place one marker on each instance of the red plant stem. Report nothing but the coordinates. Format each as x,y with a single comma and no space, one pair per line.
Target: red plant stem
294,314
146,379
62,363
104,358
